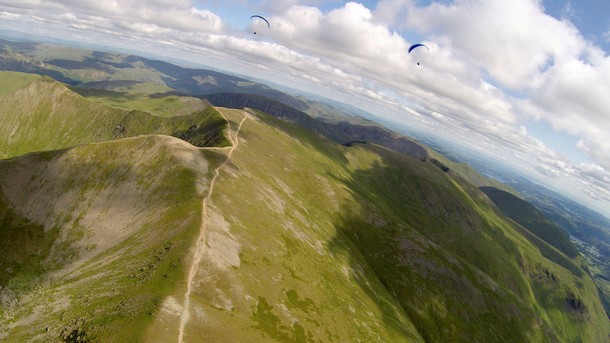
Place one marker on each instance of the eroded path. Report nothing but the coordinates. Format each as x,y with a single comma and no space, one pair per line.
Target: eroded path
200,245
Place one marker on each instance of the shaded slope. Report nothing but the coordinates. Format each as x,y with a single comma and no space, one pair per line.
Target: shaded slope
45,115
529,217
106,228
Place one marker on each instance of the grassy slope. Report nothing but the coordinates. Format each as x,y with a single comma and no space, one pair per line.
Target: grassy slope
106,228
477,287
330,243
306,241
291,263
144,97
12,81
272,271
45,115
529,217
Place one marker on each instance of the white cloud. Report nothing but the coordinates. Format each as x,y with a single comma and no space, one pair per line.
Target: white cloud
147,17
9,16
512,42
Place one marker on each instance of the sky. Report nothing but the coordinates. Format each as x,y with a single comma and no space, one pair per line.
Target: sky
524,81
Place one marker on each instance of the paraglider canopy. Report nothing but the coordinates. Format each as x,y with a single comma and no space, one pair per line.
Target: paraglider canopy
420,46
259,19
417,46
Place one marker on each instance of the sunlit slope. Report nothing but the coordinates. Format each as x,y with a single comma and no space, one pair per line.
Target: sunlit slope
311,241
11,81
93,238
148,97
45,115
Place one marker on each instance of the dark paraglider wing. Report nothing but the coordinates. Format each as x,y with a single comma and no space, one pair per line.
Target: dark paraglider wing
417,46
417,55
260,17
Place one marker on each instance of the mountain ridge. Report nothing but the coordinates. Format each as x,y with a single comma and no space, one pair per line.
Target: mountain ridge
29,111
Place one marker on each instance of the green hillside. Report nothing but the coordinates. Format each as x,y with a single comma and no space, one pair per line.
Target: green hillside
44,115
529,217
93,238
11,81
147,97
304,240
425,253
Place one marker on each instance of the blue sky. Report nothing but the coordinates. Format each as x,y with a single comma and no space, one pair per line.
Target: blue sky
592,17
524,80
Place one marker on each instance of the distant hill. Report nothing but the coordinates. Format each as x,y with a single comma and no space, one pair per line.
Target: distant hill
45,115
122,75
88,69
85,67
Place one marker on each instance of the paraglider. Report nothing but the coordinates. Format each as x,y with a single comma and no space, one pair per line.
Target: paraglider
261,18
415,46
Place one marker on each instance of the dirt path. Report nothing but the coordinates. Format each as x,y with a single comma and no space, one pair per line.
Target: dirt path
199,247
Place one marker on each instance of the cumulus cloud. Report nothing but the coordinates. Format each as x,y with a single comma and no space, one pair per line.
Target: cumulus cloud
351,38
560,77
149,16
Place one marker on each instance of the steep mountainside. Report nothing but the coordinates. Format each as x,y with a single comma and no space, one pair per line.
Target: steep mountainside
398,227
529,217
93,238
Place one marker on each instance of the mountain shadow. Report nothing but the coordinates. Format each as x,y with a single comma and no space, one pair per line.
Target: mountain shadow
530,218
456,272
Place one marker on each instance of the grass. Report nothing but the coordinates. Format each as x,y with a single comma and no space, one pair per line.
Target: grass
428,259
47,116
530,218
12,81
116,293
141,97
